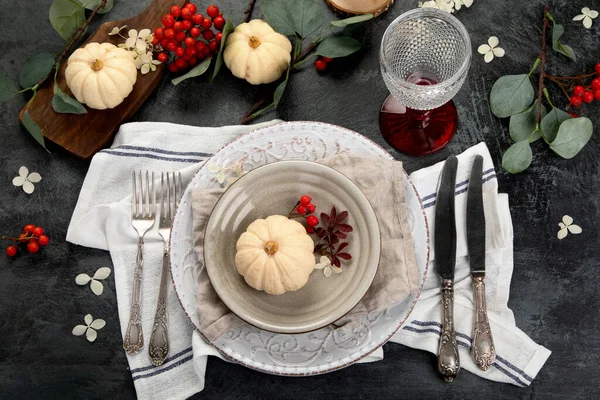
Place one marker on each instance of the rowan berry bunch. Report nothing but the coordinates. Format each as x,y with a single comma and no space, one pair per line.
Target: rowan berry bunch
581,92
32,238
322,62
304,209
188,37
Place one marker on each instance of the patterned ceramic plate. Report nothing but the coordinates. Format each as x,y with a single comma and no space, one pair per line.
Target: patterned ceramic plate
299,354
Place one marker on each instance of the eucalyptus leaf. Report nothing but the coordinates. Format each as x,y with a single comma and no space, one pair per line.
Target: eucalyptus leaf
198,70
66,16
64,104
523,125
307,16
510,95
35,69
551,122
7,89
557,31
281,88
92,6
518,157
278,16
33,128
227,29
337,46
572,135
340,23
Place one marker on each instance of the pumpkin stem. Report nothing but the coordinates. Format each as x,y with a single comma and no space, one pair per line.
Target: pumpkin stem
271,247
254,42
97,65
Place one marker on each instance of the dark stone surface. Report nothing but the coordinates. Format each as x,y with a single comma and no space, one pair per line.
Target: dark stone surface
554,290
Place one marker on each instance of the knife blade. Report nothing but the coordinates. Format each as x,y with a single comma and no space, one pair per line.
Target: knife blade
483,350
445,262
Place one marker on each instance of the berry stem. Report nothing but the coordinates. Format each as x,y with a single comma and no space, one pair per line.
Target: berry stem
538,116
248,12
559,84
19,239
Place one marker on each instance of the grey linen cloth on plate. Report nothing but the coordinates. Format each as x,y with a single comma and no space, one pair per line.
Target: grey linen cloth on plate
397,276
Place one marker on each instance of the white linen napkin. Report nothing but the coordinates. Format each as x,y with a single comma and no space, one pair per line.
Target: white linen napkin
101,220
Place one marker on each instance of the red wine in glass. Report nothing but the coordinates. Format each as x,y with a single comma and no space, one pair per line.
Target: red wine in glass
417,132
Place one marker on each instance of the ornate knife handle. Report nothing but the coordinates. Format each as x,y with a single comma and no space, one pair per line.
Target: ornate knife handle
134,338
483,350
159,340
448,360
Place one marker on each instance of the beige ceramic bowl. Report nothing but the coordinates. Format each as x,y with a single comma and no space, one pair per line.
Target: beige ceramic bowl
274,189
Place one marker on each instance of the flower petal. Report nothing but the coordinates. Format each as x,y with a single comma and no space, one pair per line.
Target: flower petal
88,319
102,273
28,187
97,287
98,324
82,279
324,260
336,270
79,330
214,168
23,171
567,220
562,234
34,177
221,176
587,22
483,49
574,229
145,69
114,31
585,10
561,225
91,335
18,181
488,57
493,41
327,272
498,52
578,17
144,32
593,14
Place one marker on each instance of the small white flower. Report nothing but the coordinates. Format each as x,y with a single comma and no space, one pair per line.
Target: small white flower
444,5
95,284
116,30
459,3
148,64
567,226
136,41
89,328
587,16
491,49
26,180
327,267
235,172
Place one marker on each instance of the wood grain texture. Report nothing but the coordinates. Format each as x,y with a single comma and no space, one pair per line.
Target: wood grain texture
84,135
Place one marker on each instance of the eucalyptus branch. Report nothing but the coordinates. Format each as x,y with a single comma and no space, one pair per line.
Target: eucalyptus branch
538,116
248,12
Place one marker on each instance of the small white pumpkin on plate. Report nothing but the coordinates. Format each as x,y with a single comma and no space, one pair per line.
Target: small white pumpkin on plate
275,255
101,75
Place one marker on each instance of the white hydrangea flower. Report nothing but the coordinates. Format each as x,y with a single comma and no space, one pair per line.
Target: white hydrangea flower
26,180
491,49
567,226
117,30
446,5
94,281
328,268
148,64
90,327
235,172
587,16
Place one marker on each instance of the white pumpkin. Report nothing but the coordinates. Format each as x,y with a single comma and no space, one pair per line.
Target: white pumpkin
275,255
256,53
101,75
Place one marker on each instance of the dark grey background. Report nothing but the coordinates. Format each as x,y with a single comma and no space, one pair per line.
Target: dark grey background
554,290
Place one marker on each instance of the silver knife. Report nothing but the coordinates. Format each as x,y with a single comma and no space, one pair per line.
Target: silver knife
445,262
482,351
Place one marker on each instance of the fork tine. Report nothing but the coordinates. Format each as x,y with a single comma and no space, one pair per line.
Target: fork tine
177,192
168,203
147,196
153,204
162,196
140,199
133,196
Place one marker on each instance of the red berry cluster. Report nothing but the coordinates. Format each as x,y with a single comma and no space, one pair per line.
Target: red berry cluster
303,209
586,94
321,63
187,37
32,235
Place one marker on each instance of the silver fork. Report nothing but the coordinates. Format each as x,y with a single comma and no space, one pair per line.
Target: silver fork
169,194
143,212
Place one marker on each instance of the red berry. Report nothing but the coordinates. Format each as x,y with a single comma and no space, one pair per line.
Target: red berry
159,33
311,208
190,51
327,59
175,11
575,101
596,84
181,63
206,51
43,240
578,90
38,231
572,114
597,94
179,51
189,42
168,20
162,57
187,25
197,19
172,45
206,23
312,221
192,61
219,23
187,13
11,251
305,200
191,7
173,68
199,46
170,33
164,42
213,46
588,96
180,36
212,11
320,65
218,37
155,40
28,228
178,26
23,235
208,34
310,229
195,32
597,68
301,209
33,247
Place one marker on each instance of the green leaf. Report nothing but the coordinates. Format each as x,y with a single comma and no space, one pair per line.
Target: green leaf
227,29
7,89
572,135
64,104
551,122
35,69
522,125
340,23
278,16
198,70
281,88
307,16
337,46
92,6
66,16
517,158
557,31
33,129
510,95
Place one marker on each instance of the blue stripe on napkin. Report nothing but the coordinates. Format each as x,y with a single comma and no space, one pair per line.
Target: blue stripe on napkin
458,185
166,366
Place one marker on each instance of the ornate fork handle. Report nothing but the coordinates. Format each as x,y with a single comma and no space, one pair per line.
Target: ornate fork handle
159,340
134,338
483,350
448,360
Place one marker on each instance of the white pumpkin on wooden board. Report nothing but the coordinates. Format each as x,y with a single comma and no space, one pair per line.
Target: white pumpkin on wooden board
275,255
101,75
256,53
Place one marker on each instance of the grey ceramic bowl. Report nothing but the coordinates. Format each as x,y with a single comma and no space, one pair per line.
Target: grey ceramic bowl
274,189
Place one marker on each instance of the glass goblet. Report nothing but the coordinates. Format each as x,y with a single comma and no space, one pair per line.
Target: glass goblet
425,56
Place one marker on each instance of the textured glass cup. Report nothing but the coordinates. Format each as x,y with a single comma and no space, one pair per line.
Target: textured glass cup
425,56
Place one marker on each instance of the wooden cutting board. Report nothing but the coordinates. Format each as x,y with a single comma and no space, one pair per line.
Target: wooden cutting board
84,135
